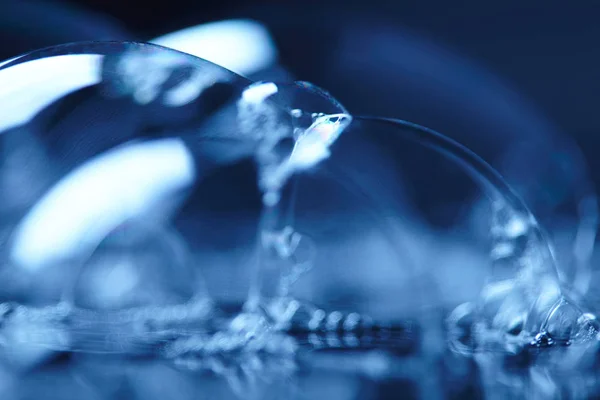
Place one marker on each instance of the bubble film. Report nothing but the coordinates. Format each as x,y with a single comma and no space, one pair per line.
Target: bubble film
166,221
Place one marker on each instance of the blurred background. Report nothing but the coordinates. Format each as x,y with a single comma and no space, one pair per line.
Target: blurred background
429,61
516,81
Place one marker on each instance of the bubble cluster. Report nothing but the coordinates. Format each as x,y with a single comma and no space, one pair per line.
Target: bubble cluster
103,242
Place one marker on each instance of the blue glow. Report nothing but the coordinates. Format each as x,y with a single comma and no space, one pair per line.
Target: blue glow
242,46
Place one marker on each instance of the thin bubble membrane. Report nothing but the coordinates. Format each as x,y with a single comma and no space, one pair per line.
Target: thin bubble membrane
162,215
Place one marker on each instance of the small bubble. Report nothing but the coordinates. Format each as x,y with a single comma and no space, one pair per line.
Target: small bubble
333,321
314,340
316,320
351,340
351,322
333,340
542,339
271,198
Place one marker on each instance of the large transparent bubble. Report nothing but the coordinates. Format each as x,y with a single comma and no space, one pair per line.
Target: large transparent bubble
157,205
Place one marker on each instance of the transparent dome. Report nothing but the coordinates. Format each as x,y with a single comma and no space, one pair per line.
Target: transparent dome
156,204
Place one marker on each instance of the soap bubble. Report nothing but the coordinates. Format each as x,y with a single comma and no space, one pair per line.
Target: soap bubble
157,205
97,143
